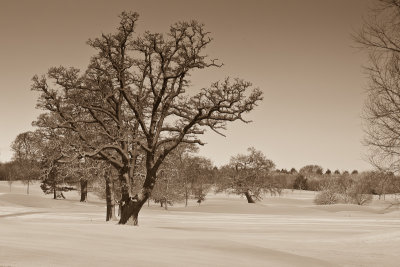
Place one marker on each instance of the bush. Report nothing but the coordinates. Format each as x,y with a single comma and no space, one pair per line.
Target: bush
361,199
344,189
326,197
343,185
359,194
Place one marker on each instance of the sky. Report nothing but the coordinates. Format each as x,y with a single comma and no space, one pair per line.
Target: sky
299,53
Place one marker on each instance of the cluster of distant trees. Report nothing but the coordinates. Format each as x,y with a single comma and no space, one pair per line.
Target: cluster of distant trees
357,188
8,172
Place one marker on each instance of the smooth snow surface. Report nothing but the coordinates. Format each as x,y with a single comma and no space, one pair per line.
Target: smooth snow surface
290,230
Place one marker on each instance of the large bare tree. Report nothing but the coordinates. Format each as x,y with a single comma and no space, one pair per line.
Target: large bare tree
380,37
137,94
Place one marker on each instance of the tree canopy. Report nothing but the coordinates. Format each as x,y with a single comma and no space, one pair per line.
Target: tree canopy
135,101
380,37
248,175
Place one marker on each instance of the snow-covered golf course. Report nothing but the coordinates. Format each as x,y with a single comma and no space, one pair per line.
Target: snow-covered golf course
290,230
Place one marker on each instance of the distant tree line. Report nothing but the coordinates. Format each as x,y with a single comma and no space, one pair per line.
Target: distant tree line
186,176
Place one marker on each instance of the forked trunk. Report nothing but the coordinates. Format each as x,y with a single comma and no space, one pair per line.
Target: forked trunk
131,205
249,197
84,192
130,211
128,208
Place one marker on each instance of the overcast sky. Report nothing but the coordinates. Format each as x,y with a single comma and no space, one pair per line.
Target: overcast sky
299,53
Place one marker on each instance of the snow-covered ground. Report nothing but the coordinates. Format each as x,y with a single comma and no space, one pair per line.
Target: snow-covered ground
224,231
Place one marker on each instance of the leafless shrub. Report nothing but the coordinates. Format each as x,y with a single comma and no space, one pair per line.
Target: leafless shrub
326,197
345,189
360,193
328,194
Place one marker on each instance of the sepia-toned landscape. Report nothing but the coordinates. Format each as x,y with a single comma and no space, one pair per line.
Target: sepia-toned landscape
268,137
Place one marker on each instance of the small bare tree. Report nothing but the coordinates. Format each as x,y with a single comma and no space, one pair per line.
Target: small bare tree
25,158
248,174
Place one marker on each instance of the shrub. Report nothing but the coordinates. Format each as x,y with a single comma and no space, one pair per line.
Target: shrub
344,189
326,197
361,199
359,193
343,185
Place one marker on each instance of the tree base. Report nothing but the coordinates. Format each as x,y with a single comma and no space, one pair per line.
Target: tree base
249,198
129,212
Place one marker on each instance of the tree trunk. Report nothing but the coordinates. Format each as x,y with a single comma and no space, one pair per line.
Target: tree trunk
54,193
110,199
186,189
131,205
129,210
166,195
249,197
27,188
84,192
110,213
